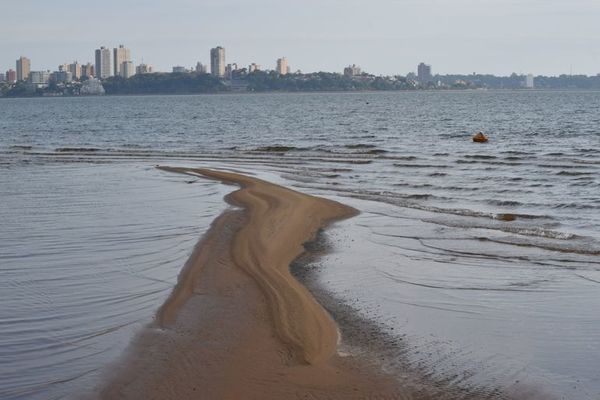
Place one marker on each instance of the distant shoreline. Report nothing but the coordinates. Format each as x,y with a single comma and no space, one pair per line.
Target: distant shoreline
250,93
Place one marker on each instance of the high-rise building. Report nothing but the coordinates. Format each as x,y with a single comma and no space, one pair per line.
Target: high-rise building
75,70
253,67
424,73
120,55
127,69
103,67
11,76
23,68
282,66
529,81
217,61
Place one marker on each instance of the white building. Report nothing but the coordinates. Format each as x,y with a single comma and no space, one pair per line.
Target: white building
529,81
121,54
201,68
282,66
144,69
127,69
217,61
39,78
103,67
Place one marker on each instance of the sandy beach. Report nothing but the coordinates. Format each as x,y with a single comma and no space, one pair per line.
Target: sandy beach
238,325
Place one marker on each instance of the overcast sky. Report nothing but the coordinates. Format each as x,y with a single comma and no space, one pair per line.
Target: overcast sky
547,37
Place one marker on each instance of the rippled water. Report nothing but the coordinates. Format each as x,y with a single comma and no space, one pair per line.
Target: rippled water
484,257
87,254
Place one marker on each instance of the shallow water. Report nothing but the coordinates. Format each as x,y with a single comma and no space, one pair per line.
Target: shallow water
483,257
87,254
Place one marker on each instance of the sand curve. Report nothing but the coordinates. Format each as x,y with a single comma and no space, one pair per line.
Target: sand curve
279,222
237,324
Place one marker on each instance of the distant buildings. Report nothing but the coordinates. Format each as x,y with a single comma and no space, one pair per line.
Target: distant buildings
87,71
127,69
120,55
253,67
11,76
217,62
39,79
61,76
23,68
179,70
229,70
201,68
529,81
103,67
75,70
352,70
144,69
282,67
424,73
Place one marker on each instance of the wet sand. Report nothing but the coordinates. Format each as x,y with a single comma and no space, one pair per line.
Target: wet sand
238,325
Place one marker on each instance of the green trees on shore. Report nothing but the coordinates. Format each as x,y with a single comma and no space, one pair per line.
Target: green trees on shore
271,81
164,83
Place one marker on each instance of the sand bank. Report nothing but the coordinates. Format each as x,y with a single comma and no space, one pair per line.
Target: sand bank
238,325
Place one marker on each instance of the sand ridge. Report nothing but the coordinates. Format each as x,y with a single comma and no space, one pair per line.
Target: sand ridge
238,325
279,222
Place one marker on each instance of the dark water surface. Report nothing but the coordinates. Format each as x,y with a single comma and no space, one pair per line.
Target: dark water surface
483,258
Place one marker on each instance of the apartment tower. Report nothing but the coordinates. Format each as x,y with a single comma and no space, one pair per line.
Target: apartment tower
217,61
282,66
23,68
103,67
120,55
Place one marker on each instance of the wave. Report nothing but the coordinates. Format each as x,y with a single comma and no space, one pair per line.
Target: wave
518,153
277,149
480,156
507,203
574,173
582,246
360,146
77,149
402,165
576,206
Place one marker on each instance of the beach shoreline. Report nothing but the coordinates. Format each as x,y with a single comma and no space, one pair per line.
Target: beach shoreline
238,324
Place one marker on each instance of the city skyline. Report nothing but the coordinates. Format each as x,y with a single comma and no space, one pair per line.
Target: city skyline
385,38
118,62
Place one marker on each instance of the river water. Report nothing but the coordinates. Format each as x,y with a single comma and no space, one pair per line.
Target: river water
483,259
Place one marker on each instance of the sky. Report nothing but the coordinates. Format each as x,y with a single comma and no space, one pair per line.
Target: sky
387,37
